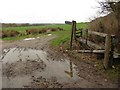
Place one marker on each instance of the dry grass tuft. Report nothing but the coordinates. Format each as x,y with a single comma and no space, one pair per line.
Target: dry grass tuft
9,33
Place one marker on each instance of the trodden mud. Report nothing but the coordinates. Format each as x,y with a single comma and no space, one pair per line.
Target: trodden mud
31,64
20,62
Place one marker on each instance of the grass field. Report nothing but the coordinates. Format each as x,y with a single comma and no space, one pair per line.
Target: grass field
62,36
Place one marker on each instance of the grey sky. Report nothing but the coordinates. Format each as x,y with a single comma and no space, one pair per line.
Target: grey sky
47,11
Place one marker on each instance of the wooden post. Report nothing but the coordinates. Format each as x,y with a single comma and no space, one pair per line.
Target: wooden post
86,35
112,49
71,39
74,30
81,33
107,51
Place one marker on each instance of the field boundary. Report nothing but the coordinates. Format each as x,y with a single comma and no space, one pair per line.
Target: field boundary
81,36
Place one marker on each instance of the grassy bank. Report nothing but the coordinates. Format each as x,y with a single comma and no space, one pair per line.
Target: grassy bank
62,36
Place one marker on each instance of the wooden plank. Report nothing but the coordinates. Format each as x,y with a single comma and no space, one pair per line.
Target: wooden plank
107,51
90,51
98,33
78,32
116,55
90,44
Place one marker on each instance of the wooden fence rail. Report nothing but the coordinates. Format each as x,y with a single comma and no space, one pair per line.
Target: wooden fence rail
81,35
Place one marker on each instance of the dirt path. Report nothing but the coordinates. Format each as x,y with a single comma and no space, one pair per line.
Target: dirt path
32,64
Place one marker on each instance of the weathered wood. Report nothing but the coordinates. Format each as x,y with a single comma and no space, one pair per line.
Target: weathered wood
107,51
90,51
90,44
112,51
78,32
81,33
74,30
71,39
98,33
116,55
86,35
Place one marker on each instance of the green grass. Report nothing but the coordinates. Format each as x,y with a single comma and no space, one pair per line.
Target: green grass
24,28
62,36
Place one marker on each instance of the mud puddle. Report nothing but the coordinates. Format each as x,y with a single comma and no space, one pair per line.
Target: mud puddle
24,67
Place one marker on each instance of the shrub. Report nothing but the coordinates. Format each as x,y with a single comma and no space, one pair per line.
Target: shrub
33,31
54,29
43,30
60,28
10,33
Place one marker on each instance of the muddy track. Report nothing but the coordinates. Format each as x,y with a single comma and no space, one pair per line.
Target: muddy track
32,64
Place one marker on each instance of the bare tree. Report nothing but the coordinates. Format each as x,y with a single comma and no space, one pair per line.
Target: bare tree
113,6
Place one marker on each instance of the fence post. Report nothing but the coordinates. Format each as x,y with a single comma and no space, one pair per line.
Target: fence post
71,39
74,30
86,35
112,49
107,51
81,33
81,36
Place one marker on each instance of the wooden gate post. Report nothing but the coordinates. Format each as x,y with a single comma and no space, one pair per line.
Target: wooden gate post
86,35
71,39
112,49
107,51
74,30
81,33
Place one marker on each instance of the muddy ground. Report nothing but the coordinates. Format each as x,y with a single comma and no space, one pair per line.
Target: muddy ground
32,64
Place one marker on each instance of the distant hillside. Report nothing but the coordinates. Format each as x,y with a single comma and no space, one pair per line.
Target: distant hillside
26,24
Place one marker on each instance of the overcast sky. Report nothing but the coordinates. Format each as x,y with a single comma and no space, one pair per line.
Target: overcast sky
47,11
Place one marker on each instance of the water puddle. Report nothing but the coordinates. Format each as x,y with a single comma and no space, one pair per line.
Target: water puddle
15,82
20,64
23,54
